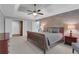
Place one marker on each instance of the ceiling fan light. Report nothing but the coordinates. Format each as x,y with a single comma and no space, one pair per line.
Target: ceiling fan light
34,14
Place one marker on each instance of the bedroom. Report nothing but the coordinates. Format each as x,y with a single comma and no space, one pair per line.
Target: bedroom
62,18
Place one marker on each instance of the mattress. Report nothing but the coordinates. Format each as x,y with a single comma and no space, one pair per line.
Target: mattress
51,38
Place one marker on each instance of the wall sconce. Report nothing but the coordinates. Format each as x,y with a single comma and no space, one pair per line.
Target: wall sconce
71,27
42,26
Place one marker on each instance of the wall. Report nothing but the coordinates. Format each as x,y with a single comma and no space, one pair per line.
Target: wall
35,26
27,26
15,27
77,26
60,21
8,26
1,23
75,31
51,22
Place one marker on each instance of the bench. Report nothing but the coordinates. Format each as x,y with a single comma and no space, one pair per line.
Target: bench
75,46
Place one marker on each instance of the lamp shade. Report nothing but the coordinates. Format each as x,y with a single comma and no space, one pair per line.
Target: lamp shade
71,26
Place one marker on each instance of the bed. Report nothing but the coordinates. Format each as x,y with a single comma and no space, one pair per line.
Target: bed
46,39
52,38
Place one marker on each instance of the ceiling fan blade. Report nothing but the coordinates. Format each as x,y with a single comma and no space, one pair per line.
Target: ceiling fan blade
38,10
34,4
29,13
29,10
34,7
41,13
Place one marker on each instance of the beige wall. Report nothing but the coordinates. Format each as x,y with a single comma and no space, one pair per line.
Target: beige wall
54,21
76,26
51,22
61,20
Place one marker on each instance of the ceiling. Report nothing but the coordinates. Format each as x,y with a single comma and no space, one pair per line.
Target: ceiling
69,17
19,10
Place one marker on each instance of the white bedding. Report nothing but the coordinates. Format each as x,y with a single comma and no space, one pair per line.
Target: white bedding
52,37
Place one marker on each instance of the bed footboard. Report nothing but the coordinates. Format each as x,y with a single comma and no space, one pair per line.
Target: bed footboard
37,39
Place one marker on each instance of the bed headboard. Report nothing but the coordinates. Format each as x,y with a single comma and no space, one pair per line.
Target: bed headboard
61,29
55,29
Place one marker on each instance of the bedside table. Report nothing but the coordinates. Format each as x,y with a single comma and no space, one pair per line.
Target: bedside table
69,39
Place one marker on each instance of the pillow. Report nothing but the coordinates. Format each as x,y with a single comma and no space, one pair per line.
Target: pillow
53,29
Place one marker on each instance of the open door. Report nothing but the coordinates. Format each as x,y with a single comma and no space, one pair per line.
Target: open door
17,28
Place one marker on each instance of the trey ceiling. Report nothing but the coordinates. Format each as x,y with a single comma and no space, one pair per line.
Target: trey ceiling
70,17
19,10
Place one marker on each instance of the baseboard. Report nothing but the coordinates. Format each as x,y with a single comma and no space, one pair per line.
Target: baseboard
16,35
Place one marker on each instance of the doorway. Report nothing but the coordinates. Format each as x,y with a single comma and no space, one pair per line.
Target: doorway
17,28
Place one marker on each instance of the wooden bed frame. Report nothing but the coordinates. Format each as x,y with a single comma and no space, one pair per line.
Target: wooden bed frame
39,39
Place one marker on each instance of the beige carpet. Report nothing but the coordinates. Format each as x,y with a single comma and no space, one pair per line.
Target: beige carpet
20,45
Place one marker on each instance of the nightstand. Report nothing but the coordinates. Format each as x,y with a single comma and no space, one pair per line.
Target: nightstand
69,39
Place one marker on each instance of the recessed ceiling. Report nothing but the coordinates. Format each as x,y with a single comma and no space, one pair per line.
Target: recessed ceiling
69,17
19,11
24,7
47,9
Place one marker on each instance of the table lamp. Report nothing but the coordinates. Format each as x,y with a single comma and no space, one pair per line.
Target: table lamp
70,28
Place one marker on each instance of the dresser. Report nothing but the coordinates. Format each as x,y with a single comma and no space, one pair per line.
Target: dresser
4,43
69,39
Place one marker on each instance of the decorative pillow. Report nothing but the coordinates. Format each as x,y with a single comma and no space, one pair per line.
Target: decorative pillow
53,29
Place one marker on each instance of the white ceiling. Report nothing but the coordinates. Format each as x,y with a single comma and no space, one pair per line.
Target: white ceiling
19,10
69,17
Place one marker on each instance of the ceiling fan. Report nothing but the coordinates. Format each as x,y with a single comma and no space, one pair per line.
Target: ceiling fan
35,11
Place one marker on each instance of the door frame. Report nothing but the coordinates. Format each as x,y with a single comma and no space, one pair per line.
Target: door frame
21,28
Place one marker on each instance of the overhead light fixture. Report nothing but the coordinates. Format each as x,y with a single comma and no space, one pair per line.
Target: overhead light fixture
34,13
